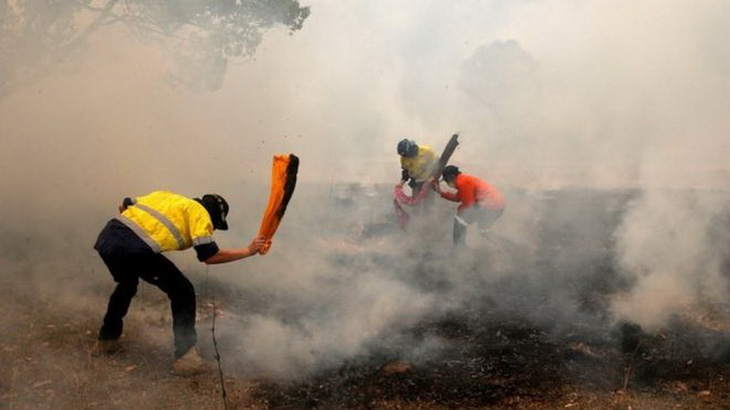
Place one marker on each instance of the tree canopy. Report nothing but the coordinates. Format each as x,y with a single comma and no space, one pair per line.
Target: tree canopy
39,36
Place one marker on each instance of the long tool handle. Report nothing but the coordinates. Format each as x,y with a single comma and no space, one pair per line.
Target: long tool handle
446,155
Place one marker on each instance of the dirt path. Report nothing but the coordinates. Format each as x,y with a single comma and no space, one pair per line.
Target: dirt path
44,363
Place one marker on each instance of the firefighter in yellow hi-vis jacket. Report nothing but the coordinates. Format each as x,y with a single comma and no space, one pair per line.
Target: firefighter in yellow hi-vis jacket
131,246
417,162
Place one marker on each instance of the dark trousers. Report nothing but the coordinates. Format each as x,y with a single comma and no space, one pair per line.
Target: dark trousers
484,217
159,271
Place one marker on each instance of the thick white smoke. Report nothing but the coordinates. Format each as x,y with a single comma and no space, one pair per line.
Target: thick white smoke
576,94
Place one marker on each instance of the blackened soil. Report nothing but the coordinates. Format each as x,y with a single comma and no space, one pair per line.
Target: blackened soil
513,363
479,366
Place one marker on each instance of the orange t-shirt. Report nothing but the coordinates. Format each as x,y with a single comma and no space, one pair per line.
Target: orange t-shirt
471,190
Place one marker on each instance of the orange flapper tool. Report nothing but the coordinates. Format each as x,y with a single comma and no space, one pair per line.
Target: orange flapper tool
283,182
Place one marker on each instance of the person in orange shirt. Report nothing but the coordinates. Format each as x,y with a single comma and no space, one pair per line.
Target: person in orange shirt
480,202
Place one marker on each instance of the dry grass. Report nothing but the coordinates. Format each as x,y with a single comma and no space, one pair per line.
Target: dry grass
44,363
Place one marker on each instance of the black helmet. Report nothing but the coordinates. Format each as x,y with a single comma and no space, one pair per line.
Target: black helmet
407,148
450,172
217,207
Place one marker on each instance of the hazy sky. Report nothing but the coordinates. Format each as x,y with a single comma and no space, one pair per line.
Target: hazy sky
545,93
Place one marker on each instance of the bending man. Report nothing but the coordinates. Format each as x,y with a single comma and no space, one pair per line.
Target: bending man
417,162
131,246
480,202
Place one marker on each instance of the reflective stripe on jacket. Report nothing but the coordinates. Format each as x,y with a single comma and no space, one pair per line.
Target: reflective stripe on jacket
420,166
168,221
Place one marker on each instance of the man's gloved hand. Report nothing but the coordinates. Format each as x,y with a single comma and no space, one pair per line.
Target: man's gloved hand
127,202
404,175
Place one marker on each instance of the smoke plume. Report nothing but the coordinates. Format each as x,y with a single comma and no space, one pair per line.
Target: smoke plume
606,128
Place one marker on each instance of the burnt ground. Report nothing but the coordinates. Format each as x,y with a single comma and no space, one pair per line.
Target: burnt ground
492,364
511,348
483,362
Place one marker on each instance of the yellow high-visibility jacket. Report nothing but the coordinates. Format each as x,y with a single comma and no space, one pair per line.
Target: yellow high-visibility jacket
167,221
420,166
